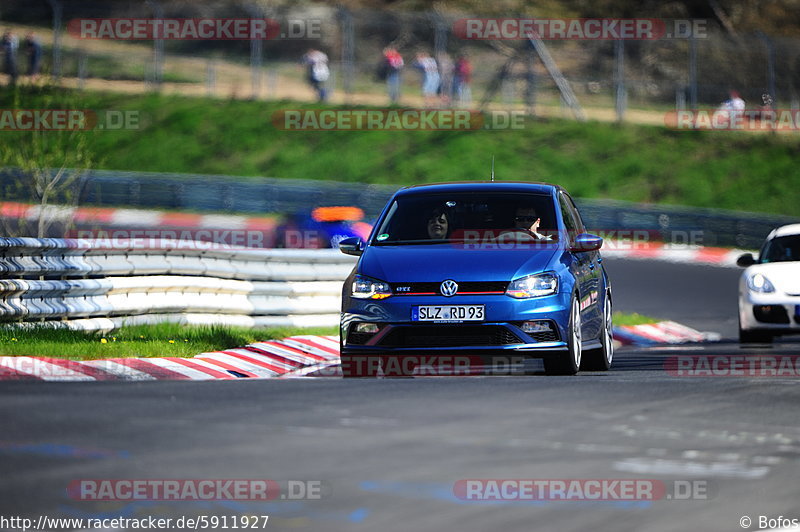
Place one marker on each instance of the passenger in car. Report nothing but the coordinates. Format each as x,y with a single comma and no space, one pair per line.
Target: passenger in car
438,224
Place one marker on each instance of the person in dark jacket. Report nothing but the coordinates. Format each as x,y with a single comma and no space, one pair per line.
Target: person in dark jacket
34,48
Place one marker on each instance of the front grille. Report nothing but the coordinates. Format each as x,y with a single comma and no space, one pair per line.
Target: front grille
449,336
470,287
358,338
547,336
770,314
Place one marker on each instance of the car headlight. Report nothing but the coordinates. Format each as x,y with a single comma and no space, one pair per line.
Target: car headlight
759,283
368,288
541,284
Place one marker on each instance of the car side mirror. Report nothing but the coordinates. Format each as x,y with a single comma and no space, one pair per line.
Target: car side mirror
352,246
745,260
586,242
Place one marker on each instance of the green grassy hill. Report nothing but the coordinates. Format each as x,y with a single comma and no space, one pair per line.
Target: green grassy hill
743,171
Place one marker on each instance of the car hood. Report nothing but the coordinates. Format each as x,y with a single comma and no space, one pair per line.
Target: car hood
434,263
784,276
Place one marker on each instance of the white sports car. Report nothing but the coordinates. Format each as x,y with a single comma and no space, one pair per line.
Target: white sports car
769,289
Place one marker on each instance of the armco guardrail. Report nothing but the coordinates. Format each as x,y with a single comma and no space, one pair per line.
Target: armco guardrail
204,193
99,284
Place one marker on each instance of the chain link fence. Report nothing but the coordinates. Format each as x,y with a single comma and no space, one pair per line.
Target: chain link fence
612,76
637,80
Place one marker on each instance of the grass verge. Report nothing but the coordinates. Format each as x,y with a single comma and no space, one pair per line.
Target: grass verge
162,340
632,318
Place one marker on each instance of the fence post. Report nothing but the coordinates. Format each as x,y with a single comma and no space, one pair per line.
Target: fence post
621,95
58,10
83,69
530,85
439,35
692,71
347,31
256,48
770,66
211,77
158,46
680,99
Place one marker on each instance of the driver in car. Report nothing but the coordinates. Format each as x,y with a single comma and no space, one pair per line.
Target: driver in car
526,218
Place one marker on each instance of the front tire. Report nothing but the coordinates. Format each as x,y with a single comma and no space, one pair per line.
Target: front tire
600,359
568,364
754,337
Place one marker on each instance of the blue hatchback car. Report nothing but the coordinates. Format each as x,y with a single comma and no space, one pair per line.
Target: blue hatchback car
477,269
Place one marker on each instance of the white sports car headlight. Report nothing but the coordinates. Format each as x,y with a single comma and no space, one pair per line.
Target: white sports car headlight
541,284
759,283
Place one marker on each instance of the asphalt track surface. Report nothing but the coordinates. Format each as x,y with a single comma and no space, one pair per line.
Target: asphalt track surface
389,451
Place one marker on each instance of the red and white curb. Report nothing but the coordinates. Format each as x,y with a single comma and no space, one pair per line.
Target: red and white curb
293,356
664,332
111,218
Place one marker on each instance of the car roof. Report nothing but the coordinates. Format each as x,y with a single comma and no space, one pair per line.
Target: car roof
785,230
481,186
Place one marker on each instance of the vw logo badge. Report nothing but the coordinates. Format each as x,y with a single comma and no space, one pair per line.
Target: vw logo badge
448,288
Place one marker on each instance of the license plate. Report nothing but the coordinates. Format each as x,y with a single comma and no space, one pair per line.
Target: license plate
448,313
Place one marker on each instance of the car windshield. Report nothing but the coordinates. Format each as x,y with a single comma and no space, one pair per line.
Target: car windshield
467,217
782,249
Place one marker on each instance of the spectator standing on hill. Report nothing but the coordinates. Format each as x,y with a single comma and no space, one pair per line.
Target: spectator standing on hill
430,77
462,80
731,111
10,44
318,72
446,72
391,66
34,48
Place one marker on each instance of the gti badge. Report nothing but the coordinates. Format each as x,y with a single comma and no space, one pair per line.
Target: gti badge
448,288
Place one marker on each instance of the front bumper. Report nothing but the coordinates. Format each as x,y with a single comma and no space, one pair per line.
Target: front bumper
500,331
774,312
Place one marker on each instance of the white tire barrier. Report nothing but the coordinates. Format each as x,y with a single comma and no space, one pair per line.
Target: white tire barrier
83,281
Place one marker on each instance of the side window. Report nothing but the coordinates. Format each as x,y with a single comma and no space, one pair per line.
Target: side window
576,214
569,220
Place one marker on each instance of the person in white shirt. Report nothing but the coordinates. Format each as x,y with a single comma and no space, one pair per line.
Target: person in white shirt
430,77
318,72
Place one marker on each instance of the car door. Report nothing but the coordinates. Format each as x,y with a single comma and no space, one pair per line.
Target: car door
586,270
598,280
